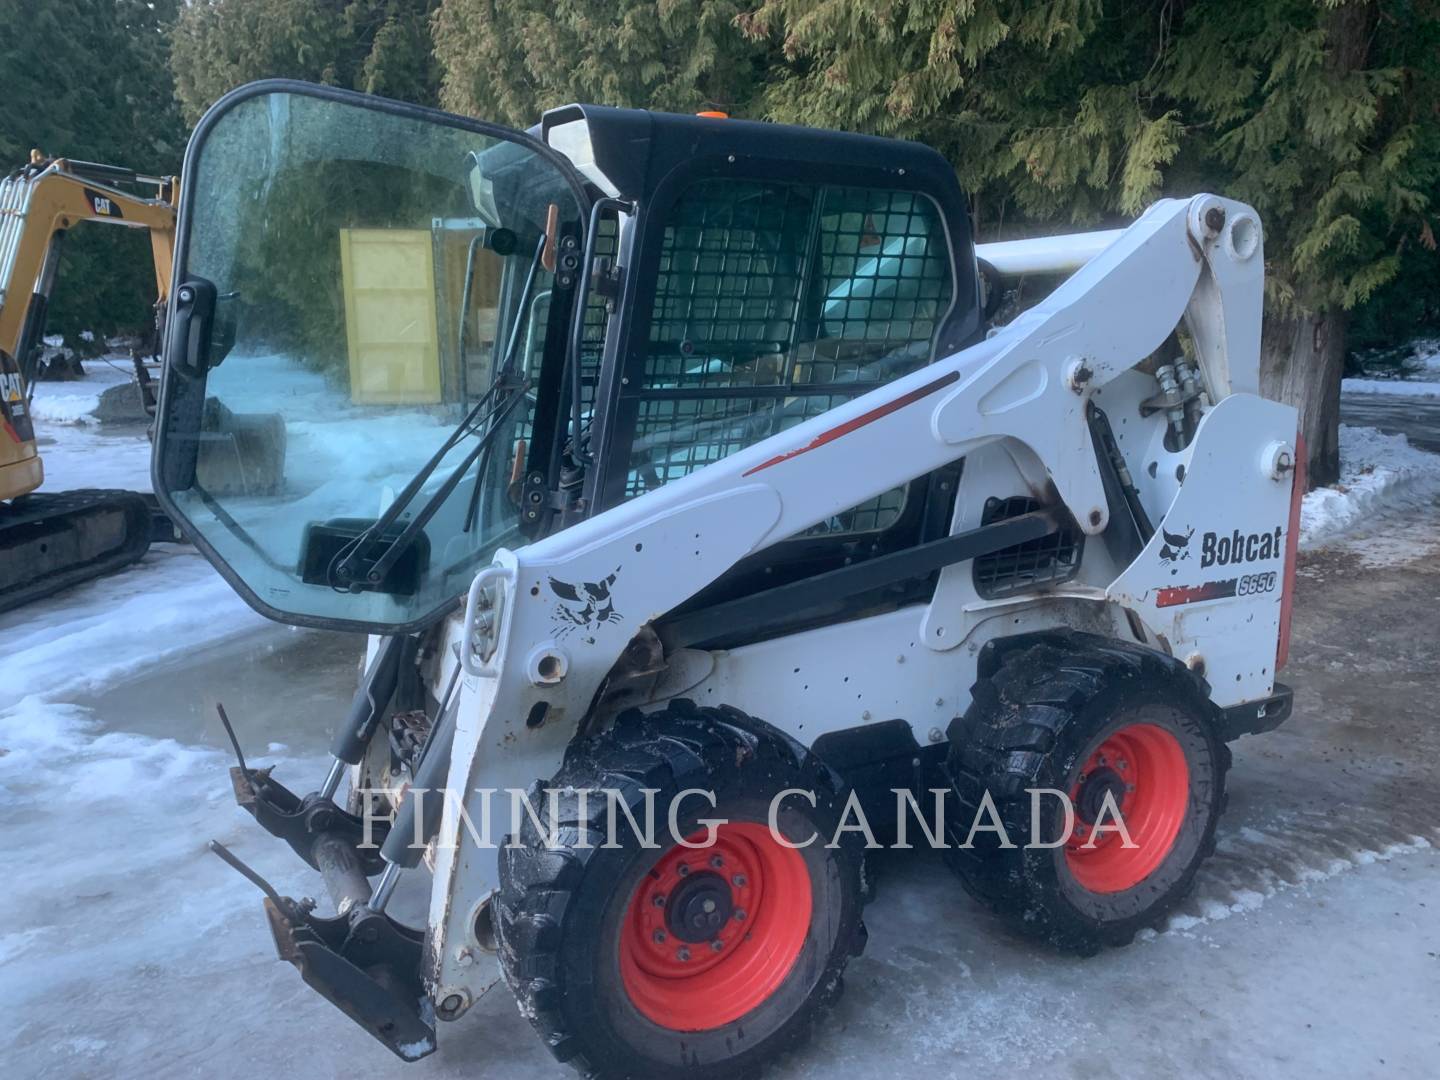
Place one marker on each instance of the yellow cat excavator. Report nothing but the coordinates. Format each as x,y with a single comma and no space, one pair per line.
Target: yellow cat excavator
49,542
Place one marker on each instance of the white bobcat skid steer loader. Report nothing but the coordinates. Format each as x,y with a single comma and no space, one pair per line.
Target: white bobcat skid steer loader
723,502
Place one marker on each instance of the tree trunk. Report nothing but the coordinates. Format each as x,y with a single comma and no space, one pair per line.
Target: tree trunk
1301,360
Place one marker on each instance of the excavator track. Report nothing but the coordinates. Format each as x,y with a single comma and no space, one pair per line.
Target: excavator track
51,542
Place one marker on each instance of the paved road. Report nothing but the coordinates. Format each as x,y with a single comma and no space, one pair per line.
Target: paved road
1418,419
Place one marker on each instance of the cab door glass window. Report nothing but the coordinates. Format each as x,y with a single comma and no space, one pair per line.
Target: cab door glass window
374,273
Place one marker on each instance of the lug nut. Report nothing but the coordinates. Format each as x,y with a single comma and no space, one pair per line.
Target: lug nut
717,945
682,954
739,881
659,937
683,870
716,861
740,914
658,899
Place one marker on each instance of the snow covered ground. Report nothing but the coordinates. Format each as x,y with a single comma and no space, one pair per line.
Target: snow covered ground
1378,473
126,950
1420,375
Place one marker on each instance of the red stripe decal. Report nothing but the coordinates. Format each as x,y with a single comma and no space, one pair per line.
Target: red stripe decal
860,421
1192,594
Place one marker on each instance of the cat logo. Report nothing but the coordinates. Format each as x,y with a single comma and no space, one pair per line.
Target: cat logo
101,205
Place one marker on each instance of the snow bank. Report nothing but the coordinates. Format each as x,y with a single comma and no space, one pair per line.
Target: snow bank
88,814
89,457
75,402
1392,387
1377,472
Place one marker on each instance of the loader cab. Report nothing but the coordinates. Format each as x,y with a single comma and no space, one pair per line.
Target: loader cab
758,275
441,336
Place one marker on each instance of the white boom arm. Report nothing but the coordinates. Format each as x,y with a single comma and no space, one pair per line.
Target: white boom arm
1046,254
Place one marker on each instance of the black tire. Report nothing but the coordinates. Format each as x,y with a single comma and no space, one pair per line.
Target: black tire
1034,721
561,911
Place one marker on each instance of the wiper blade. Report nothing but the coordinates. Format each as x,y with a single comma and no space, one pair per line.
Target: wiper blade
501,396
486,417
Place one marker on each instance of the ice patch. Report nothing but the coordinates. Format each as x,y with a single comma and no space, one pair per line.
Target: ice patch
169,604
1377,472
74,798
1243,901
90,457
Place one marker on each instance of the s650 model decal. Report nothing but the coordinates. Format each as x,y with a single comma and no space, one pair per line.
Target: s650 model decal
1251,584
1245,585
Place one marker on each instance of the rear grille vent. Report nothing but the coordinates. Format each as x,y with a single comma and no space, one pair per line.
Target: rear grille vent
1050,560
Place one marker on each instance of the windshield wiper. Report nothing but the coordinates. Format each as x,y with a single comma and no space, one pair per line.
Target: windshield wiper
500,398
486,419
507,363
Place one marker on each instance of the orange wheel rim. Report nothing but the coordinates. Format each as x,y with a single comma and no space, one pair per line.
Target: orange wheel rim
1143,767
710,933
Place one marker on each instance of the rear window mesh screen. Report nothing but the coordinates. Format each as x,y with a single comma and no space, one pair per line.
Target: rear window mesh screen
775,302
1049,560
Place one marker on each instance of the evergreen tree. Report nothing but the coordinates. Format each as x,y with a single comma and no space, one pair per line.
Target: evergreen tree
1324,116
378,46
1056,113
87,79
509,60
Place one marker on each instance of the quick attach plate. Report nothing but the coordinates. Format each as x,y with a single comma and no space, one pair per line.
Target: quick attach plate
365,964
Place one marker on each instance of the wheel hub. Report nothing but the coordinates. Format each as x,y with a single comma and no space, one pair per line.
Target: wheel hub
699,907
1093,789
1143,767
711,931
